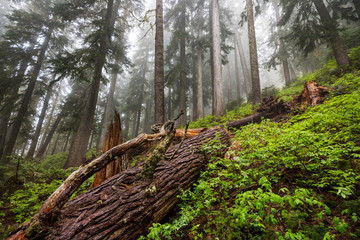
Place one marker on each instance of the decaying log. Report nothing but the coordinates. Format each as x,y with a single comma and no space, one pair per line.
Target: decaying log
311,95
124,206
269,108
53,205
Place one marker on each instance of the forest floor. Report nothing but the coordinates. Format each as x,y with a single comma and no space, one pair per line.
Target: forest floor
298,178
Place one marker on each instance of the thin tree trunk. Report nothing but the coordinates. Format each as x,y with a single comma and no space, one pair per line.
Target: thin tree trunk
333,36
35,139
159,65
229,83
91,140
44,146
237,72
138,121
134,124
218,98
49,119
292,72
55,144
28,94
107,112
148,109
194,84
283,52
256,90
200,99
79,145
170,105
182,90
245,70
127,125
66,142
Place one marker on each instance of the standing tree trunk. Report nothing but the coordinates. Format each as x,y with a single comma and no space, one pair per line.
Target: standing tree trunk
148,109
199,73
107,113
245,70
159,65
182,90
79,144
229,83
237,73
35,139
55,144
256,91
333,36
292,72
194,83
218,98
283,52
48,138
27,95
200,99
66,142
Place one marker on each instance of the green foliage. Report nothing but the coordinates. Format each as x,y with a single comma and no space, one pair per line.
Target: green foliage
269,91
296,180
37,180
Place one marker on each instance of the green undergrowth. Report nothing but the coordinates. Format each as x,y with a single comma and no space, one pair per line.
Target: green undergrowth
293,180
27,183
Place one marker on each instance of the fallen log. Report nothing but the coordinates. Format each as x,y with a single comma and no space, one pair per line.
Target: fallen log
124,206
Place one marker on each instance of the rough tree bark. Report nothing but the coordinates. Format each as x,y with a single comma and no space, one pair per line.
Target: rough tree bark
159,65
182,90
199,73
255,78
218,98
124,206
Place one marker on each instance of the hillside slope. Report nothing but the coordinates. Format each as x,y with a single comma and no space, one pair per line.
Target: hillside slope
298,179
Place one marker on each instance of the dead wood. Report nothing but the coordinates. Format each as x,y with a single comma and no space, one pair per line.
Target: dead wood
269,108
124,206
311,95
113,138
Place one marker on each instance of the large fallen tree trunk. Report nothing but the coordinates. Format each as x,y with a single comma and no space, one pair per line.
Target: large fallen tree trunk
124,206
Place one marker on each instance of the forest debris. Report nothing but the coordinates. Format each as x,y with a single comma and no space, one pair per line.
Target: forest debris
311,95
128,212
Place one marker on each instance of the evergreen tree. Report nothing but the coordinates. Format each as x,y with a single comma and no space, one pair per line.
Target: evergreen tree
312,22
